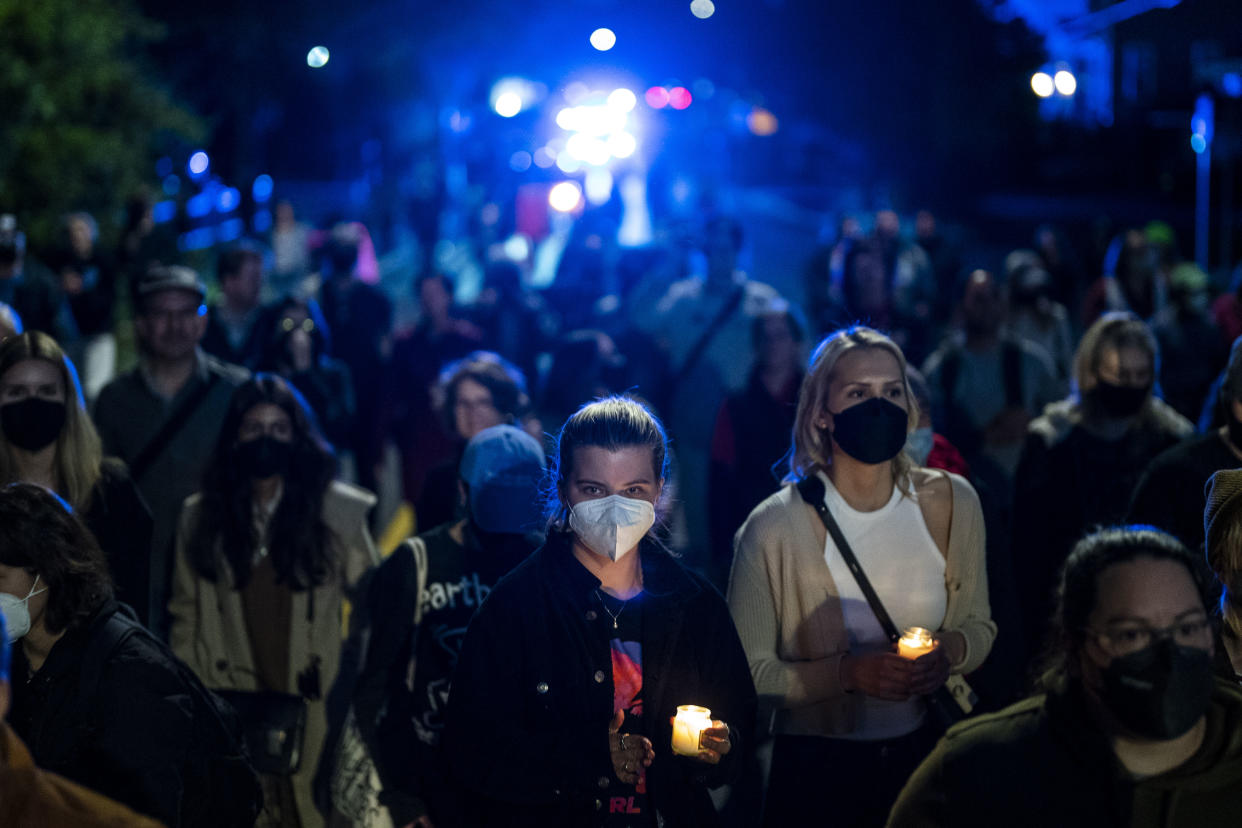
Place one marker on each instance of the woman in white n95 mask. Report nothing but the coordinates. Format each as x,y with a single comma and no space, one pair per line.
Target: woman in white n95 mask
571,673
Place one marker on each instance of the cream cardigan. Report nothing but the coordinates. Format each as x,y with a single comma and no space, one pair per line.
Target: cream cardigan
788,612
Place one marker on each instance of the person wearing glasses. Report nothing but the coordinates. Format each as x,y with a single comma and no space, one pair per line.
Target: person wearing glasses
1131,726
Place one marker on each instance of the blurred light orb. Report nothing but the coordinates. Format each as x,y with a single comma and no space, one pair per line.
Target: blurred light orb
567,163
565,197
1231,84
517,247
1042,84
1198,143
262,188
603,39
622,145
520,161
508,104
702,9
761,122
1065,82
679,97
575,92
622,100
198,163
657,97
228,200
598,186
317,57
544,158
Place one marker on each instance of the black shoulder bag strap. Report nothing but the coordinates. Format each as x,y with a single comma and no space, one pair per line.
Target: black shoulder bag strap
709,333
944,704
171,428
812,490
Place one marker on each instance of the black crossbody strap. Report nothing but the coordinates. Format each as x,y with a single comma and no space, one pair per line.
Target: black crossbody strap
709,333
171,428
812,490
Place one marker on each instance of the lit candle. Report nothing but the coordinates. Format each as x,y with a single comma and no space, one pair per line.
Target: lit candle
688,728
915,642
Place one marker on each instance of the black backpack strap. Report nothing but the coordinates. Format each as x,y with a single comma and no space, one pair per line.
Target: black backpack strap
709,333
812,490
111,636
1011,359
171,428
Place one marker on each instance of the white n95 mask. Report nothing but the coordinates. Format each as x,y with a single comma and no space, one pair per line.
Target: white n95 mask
612,525
16,612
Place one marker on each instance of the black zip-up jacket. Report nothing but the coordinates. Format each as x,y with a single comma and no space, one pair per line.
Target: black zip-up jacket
527,725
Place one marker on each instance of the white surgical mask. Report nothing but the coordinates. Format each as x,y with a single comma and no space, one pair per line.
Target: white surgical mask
16,612
919,445
611,525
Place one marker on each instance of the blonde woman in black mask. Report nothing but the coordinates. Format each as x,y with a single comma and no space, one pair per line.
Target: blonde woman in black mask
1083,457
847,711
267,551
46,437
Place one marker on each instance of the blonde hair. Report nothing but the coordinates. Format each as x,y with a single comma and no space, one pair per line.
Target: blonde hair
1115,330
812,448
79,452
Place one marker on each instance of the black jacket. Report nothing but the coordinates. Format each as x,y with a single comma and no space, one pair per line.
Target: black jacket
128,739
527,724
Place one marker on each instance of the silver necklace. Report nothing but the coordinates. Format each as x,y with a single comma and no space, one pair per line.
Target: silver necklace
611,614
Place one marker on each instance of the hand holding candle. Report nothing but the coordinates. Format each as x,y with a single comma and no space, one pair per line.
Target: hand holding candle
915,642
697,734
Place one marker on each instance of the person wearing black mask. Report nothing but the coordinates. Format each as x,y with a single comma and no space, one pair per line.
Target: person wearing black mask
46,437
1128,727
1083,457
847,712
420,602
267,552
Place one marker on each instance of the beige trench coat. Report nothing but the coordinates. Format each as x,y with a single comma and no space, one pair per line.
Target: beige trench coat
209,627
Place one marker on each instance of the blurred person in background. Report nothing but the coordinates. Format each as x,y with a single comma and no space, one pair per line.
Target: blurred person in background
297,347
421,600
1084,455
1169,495
987,386
1129,726
585,365
267,551
846,711
47,438
162,417
88,281
946,263
1132,280
234,324
909,275
704,324
512,320
26,288
360,318
1191,348
1035,316
752,431
10,322
290,243
478,392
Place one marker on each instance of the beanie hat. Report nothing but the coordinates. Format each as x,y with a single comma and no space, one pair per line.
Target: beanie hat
1224,505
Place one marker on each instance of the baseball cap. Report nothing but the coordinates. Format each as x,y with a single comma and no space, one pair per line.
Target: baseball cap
159,278
503,467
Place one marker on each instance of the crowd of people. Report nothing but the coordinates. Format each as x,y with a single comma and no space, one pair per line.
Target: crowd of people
665,568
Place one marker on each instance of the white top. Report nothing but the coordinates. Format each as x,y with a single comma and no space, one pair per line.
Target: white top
906,569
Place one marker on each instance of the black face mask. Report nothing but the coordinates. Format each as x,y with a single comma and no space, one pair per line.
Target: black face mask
263,457
873,431
1159,692
1120,401
33,423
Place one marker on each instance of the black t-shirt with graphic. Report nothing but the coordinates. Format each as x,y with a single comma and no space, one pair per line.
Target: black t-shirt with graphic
627,806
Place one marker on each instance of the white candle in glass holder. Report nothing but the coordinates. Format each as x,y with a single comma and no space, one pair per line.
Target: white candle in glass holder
915,642
688,727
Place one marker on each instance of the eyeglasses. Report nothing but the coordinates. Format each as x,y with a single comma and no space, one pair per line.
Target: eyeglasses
288,324
1129,637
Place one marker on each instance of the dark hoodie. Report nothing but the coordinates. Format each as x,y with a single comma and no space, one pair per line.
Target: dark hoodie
1045,761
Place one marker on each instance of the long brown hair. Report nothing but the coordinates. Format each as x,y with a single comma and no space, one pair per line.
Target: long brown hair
79,452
